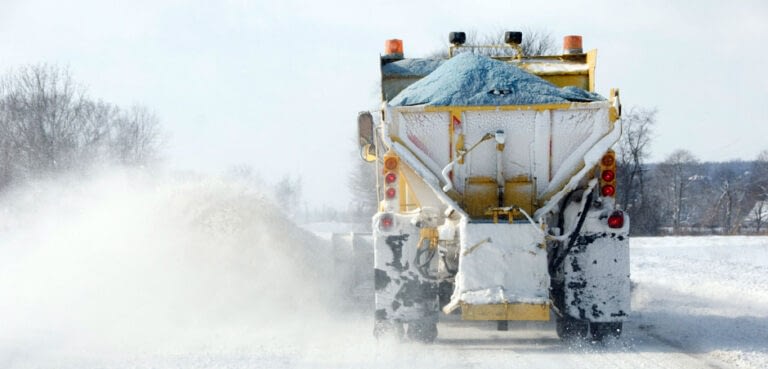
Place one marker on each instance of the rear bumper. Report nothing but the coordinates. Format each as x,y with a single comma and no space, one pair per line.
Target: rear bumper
505,312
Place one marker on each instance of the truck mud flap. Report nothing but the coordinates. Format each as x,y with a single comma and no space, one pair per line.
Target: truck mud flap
404,290
596,277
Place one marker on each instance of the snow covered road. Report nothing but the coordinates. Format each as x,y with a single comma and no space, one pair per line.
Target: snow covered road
204,275
699,303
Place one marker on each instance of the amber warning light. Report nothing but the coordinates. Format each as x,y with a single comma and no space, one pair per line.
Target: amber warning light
572,44
393,46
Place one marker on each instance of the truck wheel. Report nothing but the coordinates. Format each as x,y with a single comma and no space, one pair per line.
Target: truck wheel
422,331
444,292
384,329
571,329
602,330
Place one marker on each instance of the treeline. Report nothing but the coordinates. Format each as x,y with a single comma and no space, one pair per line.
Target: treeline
701,198
682,195
49,124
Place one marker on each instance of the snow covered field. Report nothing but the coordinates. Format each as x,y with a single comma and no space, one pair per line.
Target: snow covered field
199,273
704,295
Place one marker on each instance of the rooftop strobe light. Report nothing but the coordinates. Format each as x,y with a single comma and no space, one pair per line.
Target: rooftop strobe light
513,37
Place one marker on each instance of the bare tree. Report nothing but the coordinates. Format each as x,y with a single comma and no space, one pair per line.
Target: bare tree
362,185
760,176
40,116
633,151
135,136
288,195
538,42
763,156
730,194
48,124
677,173
759,189
759,214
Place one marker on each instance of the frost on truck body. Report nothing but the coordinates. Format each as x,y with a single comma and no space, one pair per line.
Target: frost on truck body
493,202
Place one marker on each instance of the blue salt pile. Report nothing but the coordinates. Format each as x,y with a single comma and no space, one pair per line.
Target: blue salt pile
469,79
411,67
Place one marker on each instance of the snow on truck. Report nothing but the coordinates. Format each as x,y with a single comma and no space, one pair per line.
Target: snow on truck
496,186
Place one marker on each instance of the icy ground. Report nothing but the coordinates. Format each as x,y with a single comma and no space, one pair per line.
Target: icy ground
116,272
704,295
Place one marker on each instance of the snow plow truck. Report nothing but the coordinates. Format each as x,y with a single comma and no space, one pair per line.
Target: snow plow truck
496,185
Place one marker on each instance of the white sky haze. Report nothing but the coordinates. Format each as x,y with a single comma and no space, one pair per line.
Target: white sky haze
277,84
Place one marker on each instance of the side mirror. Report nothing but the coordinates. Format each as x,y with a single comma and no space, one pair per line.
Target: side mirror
365,136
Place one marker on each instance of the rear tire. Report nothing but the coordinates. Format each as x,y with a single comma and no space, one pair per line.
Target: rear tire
602,330
571,329
384,329
422,331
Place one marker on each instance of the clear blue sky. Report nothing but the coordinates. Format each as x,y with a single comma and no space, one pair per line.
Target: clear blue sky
277,84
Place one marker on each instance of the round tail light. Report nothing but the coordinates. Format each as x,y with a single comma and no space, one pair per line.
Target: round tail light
608,175
608,190
608,160
386,221
390,163
390,193
390,178
616,220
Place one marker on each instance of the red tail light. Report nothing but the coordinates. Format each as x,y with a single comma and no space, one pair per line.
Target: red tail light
616,220
391,192
608,190
608,174
386,221
390,178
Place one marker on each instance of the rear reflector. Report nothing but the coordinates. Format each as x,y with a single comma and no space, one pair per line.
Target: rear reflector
386,221
616,220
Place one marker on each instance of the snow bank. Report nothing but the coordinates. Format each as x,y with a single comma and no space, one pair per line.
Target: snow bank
469,79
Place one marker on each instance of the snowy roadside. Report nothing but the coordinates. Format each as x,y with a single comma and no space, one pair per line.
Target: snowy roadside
124,272
704,295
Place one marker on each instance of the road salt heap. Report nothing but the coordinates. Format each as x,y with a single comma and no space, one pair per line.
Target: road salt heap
468,79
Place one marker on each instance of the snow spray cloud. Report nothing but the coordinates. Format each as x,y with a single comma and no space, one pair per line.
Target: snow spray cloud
125,261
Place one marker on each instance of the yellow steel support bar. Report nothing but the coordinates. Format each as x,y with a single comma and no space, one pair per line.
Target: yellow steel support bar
505,312
614,113
509,212
402,191
428,234
592,62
